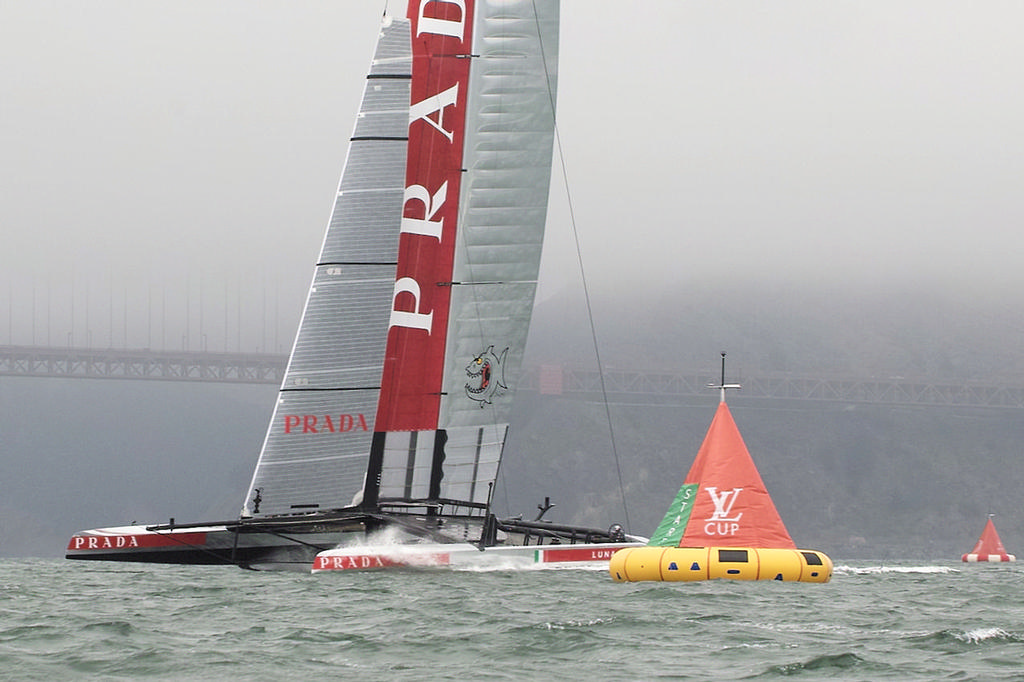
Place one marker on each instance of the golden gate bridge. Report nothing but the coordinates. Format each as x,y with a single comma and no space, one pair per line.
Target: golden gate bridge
549,379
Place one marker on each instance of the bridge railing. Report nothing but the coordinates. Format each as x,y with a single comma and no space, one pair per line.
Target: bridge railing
90,363
619,384
256,368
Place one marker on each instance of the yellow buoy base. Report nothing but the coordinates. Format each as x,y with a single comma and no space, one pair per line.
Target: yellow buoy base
634,564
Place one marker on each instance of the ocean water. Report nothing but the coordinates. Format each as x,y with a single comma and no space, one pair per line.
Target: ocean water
62,620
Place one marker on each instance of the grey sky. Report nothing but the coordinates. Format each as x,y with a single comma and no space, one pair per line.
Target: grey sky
195,146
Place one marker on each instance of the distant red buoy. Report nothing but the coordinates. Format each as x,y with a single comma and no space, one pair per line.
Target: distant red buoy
989,547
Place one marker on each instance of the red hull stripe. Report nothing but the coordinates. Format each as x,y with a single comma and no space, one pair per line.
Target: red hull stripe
361,562
579,554
115,542
441,43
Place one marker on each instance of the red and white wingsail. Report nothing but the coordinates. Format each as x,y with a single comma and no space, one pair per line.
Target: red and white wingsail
399,387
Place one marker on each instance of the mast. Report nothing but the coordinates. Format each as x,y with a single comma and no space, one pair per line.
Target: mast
722,386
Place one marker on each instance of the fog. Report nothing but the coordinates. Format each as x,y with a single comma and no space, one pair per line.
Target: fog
168,169
816,186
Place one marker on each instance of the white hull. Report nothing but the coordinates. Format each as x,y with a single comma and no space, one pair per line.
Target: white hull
467,556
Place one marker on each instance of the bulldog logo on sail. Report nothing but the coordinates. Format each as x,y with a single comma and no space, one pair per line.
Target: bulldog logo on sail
487,376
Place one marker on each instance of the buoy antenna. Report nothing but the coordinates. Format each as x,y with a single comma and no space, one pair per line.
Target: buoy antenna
722,386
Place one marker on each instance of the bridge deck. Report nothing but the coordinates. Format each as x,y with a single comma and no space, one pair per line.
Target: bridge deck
255,368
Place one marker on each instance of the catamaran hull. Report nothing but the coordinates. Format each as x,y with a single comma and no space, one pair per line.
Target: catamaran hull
467,556
313,542
287,549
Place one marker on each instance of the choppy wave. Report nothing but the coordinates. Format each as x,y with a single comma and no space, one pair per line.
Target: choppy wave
982,634
975,636
828,664
883,568
912,621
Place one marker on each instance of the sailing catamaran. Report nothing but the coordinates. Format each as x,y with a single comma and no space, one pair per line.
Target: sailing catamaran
394,409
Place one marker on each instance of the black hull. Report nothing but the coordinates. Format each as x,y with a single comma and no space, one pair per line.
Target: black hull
182,557
267,544
291,543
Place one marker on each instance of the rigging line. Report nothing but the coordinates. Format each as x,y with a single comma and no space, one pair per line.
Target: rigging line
583,276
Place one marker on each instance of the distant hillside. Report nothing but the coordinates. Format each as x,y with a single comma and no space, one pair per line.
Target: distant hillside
853,479
954,335
856,481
